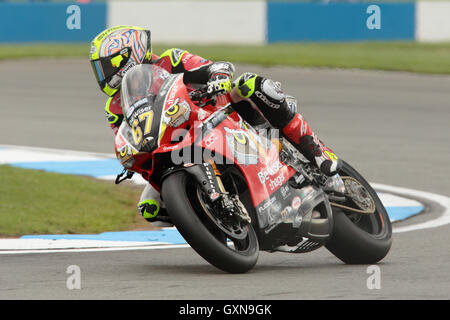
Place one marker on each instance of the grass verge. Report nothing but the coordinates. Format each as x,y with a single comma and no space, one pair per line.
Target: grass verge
37,202
394,56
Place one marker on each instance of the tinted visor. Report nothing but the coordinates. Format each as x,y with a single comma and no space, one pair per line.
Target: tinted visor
105,68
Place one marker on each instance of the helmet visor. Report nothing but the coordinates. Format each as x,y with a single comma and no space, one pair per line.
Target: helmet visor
105,68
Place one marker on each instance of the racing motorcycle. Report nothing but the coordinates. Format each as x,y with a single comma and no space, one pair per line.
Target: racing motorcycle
232,190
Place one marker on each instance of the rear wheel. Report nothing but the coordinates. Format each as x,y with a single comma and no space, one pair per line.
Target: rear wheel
360,238
228,243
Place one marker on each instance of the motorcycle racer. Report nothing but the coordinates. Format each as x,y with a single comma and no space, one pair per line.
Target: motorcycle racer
116,50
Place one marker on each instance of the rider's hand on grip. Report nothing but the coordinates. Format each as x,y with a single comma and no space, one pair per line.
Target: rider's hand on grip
219,85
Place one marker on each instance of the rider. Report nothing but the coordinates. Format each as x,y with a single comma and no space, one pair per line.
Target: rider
115,50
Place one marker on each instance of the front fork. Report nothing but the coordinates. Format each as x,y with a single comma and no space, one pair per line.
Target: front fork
230,203
208,176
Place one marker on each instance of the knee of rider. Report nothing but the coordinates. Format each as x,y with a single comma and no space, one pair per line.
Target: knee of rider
249,83
245,86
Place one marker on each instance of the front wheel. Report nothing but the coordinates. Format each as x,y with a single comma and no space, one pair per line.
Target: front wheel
360,238
231,247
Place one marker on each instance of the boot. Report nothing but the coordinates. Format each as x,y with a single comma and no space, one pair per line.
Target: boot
307,142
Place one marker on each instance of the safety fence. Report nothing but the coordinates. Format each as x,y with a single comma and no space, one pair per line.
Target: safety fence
234,21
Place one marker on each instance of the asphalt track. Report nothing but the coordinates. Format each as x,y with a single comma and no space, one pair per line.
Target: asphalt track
392,127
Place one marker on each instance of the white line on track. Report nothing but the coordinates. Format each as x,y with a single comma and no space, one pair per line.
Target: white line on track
442,220
149,247
444,201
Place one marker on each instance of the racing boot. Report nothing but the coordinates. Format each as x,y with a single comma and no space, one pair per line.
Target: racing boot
280,111
300,134
152,209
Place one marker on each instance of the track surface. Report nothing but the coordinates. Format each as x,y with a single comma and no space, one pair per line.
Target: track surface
392,127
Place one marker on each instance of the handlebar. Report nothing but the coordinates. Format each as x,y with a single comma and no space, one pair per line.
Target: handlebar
206,92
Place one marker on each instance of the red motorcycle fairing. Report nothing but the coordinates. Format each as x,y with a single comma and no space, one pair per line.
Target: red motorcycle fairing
217,130
256,156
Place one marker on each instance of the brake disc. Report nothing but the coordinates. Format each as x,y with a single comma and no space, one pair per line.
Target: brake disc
355,191
235,231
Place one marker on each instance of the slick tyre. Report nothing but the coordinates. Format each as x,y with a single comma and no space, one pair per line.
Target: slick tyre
201,234
366,239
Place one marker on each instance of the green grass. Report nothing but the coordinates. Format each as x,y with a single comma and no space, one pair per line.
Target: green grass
36,202
423,58
395,56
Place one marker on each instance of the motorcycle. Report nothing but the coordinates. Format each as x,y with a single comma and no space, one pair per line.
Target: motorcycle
232,190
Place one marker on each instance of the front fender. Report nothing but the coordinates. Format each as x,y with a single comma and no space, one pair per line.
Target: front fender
203,174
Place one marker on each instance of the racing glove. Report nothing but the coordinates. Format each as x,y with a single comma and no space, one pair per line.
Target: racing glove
151,211
220,74
219,84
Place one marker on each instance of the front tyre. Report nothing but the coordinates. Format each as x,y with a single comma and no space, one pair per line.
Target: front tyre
360,238
185,207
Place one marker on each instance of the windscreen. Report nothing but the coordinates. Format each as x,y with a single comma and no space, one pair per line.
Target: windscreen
140,86
141,104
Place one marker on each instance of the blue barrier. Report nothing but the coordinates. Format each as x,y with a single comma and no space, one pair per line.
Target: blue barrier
291,21
51,22
285,21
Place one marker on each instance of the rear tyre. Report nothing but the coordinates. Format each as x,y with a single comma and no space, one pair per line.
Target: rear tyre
360,238
187,211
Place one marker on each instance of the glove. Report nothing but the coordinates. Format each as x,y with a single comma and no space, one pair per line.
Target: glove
149,209
219,84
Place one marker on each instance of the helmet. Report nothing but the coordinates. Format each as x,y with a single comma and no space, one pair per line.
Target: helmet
115,51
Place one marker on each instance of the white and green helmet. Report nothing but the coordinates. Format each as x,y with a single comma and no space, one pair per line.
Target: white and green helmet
114,51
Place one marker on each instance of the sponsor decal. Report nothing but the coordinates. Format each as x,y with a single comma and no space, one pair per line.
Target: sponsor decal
286,212
285,191
296,202
210,139
161,73
186,57
169,148
127,67
135,105
187,165
214,196
177,114
266,101
171,96
278,181
211,178
243,147
306,192
133,113
267,203
271,169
